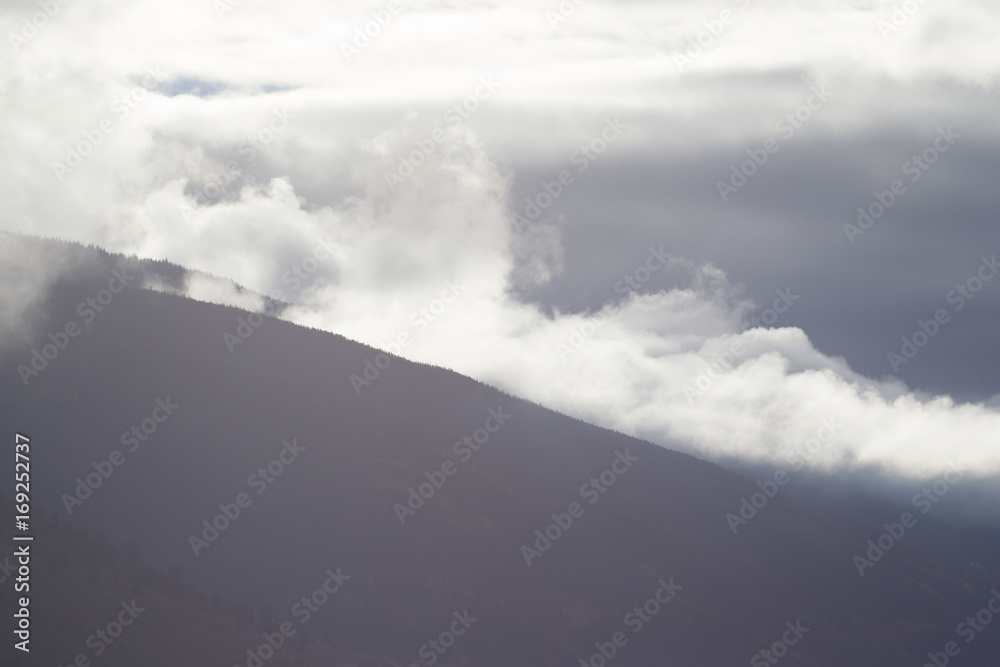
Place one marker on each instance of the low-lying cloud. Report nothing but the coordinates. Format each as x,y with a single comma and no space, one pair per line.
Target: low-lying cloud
309,216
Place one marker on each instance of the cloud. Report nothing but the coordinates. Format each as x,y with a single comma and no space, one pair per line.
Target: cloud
31,276
218,290
267,164
682,367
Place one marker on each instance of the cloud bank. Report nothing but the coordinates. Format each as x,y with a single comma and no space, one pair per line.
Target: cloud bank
373,192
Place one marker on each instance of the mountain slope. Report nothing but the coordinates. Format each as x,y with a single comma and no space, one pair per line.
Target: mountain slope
348,463
89,586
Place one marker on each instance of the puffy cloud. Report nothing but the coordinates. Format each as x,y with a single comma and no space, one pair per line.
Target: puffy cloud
683,367
263,155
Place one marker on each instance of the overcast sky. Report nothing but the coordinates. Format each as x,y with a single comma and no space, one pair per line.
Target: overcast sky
740,138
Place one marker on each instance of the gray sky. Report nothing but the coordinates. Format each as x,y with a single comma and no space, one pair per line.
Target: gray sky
785,229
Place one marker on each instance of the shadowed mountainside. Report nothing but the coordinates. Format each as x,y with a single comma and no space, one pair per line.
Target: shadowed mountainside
87,583
348,462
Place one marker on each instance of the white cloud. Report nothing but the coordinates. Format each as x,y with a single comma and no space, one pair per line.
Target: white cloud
219,290
635,357
322,180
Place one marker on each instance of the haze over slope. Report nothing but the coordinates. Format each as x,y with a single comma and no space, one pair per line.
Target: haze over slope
326,472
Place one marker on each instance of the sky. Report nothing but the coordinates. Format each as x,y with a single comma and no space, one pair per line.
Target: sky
642,214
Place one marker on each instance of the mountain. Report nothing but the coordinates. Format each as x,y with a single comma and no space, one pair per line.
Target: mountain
140,615
404,510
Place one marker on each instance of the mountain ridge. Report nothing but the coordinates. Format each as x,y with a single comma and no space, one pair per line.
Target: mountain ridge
661,520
